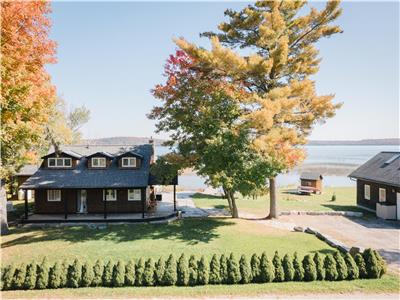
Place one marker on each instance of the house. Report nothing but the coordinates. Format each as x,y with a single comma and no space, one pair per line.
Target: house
93,179
310,182
378,185
18,179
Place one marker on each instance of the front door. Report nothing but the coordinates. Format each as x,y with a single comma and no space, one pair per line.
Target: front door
81,205
398,206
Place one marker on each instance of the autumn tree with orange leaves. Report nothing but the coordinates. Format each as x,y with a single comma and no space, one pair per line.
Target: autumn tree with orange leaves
26,91
271,76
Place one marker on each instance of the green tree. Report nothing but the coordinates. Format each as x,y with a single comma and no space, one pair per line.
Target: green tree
193,275
266,269
372,264
74,274
140,272
30,278
298,268
170,275
8,277
288,267
107,276
98,270
215,271
341,266
310,270
319,264
245,270
382,263
255,268
270,78
203,271
42,279
118,276
19,277
358,258
353,272
130,273
182,271
331,272
87,274
223,266
160,270
148,275
55,276
279,273
233,270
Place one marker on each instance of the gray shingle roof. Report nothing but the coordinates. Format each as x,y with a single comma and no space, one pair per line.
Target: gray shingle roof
27,170
383,168
310,176
82,177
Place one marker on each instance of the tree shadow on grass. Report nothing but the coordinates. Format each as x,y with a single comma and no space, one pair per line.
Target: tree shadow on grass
206,196
190,231
336,207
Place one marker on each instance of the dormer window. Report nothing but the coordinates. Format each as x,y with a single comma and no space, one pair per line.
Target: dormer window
98,162
129,162
59,162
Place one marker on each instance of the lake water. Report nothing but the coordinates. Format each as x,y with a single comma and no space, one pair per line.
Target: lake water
341,156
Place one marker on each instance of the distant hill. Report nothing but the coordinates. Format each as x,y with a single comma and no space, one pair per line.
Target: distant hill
131,140
368,142
121,140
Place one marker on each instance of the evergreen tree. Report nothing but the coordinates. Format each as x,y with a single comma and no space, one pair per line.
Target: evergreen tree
341,266
170,275
358,258
19,277
118,276
98,271
266,269
64,274
319,264
279,273
55,276
373,266
87,274
215,272
353,272
331,273
148,275
310,270
382,263
298,269
160,270
223,266
245,270
130,273
30,278
8,277
255,268
183,271
74,274
193,275
233,270
140,272
288,267
42,279
203,271
108,273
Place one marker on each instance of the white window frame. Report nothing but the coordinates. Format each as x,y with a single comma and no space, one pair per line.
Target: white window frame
53,195
98,160
367,192
59,162
382,195
134,195
126,162
105,196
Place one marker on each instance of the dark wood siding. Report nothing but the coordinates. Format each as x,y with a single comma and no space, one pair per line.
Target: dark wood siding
312,183
374,193
94,200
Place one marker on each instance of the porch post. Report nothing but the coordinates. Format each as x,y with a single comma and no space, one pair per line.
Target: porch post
65,207
143,197
174,197
105,203
26,203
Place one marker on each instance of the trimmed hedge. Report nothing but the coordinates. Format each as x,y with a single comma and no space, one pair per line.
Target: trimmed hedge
221,269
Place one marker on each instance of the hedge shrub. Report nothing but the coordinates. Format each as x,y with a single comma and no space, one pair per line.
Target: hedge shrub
220,269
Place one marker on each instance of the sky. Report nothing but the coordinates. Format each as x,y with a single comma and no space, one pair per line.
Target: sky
111,54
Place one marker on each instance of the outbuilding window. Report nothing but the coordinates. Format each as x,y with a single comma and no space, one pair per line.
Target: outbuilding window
98,162
129,162
382,195
61,162
134,194
367,192
110,195
53,195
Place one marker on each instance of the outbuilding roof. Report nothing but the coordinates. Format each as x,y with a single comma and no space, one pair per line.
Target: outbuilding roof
382,168
311,176
27,170
83,177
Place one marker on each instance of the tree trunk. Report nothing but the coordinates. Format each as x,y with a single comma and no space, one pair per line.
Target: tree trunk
235,213
273,209
3,209
229,199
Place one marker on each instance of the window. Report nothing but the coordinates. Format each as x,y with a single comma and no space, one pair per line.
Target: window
135,195
98,162
110,195
59,162
129,162
382,195
54,195
367,192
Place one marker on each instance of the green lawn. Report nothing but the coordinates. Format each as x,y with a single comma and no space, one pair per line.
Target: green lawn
385,285
287,200
191,236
